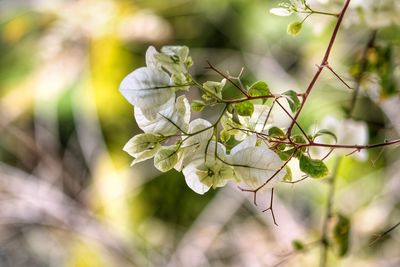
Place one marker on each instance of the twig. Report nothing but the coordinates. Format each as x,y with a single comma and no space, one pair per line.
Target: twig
380,236
271,208
322,65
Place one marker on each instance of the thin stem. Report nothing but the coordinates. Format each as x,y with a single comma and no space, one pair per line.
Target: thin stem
338,76
293,120
322,65
380,236
328,215
271,208
210,66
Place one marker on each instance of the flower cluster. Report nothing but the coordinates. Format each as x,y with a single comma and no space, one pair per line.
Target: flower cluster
241,145
194,147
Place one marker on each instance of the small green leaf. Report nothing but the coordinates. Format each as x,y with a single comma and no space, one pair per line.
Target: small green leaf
276,132
166,158
299,139
294,28
325,132
224,136
245,108
259,88
315,168
341,233
293,100
230,109
285,155
288,176
297,245
197,105
281,147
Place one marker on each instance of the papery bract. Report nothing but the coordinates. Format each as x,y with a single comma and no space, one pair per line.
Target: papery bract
206,170
147,88
173,116
254,165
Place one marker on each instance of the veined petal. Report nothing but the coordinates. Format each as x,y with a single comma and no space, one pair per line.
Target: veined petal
205,170
147,88
150,57
174,117
250,141
256,122
255,165
193,180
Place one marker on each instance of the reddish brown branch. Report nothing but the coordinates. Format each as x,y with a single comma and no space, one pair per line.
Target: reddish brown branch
322,65
271,208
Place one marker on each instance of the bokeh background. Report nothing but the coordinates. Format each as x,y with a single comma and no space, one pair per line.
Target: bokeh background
68,196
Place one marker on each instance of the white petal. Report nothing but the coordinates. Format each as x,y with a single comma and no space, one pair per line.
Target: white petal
172,117
192,179
150,59
257,120
196,171
250,141
146,88
257,165
280,11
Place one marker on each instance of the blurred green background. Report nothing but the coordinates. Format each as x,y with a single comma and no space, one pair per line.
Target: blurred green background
67,194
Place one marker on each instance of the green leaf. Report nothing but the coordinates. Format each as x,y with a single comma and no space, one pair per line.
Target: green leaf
325,132
293,100
315,168
288,176
294,28
276,132
297,245
224,136
341,233
245,108
197,105
166,158
299,139
259,88
285,155
281,147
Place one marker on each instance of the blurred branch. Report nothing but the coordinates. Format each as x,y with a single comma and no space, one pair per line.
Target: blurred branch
32,201
385,233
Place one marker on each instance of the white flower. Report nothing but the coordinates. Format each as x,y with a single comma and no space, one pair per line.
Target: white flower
254,165
256,122
173,116
205,170
147,88
173,59
195,144
348,132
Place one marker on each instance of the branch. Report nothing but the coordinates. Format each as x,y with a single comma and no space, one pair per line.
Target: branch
321,66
